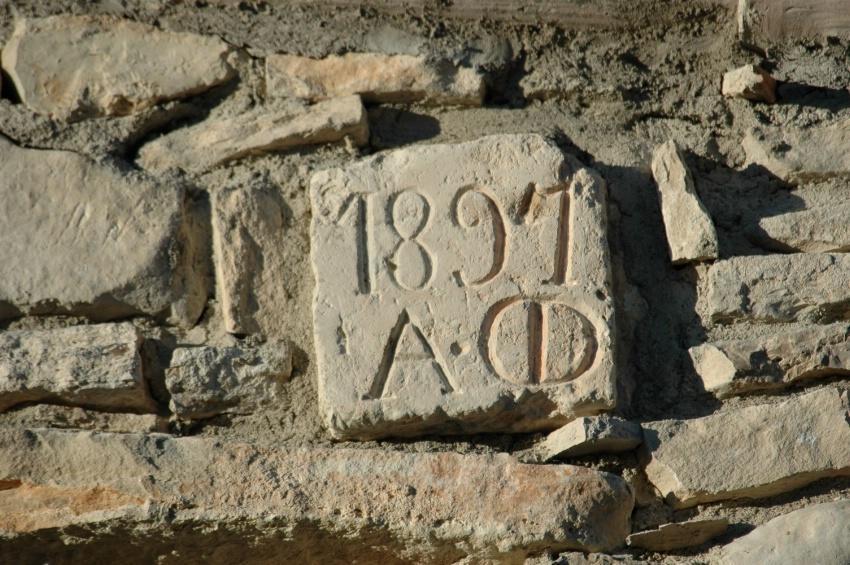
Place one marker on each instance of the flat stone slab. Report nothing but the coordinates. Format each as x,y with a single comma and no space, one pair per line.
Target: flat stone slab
592,434
820,229
206,381
778,288
262,130
737,366
374,76
801,155
691,235
670,537
75,67
750,452
73,417
96,366
482,273
84,238
816,534
419,506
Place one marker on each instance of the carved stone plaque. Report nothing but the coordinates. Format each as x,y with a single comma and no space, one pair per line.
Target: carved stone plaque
462,288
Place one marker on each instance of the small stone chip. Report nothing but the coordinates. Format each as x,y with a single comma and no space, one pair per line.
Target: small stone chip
750,82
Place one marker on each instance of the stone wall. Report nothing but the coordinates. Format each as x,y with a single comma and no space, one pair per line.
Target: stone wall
424,282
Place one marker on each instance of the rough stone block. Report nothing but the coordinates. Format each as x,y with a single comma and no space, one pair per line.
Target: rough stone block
96,366
84,238
375,77
750,452
597,434
737,366
248,238
206,381
670,537
462,287
74,67
820,229
816,534
798,155
690,232
215,142
432,507
749,82
778,288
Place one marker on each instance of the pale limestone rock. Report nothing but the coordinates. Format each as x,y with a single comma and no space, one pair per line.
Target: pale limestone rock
801,155
96,366
73,417
816,534
429,506
84,238
669,537
749,82
821,229
777,288
206,381
261,130
690,232
592,434
74,67
750,452
375,77
731,367
431,265
248,233
772,21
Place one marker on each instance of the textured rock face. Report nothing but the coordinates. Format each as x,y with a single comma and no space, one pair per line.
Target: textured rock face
690,231
598,434
95,365
212,143
750,82
205,381
814,230
755,451
732,367
375,77
668,537
247,226
816,534
485,286
84,238
801,155
75,67
778,288
440,503
72,417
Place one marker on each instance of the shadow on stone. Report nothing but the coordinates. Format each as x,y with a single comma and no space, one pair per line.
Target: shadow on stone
394,127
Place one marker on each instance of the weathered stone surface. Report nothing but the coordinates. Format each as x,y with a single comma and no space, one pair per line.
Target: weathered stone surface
592,434
668,537
96,366
434,504
771,21
750,82
778,288
205,381
74,67
84,238
248,232
261,130
375,77
816,534
482,273
730,367
73,417
690,232
820,229
801,155
750,452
